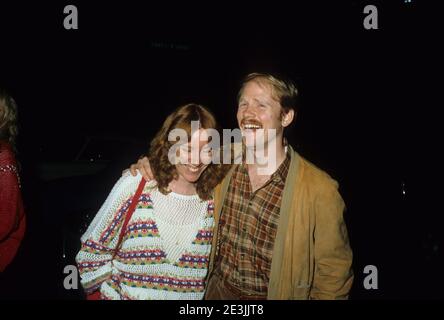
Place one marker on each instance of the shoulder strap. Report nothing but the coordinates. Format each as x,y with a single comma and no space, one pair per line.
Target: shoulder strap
129,213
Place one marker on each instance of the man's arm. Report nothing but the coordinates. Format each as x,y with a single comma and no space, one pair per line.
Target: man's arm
333,276
143,165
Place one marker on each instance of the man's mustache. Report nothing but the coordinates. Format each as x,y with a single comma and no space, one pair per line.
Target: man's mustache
250,121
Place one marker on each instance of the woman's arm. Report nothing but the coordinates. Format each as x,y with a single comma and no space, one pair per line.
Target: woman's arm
100,240
9,199
10,205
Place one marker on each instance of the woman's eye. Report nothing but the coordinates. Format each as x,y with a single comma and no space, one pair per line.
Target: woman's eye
185,149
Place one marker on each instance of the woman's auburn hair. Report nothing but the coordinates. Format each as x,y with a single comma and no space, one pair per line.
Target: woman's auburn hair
163,170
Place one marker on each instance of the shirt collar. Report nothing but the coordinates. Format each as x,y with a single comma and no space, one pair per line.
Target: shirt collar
281,173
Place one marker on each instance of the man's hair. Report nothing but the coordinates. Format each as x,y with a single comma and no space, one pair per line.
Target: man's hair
163,170
8,118
283,89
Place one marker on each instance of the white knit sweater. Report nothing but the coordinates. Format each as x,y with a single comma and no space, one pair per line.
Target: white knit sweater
164,252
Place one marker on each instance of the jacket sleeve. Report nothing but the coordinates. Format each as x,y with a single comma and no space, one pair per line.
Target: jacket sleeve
333,275
100,240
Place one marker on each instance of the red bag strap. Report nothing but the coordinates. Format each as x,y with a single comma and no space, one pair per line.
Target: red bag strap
129,213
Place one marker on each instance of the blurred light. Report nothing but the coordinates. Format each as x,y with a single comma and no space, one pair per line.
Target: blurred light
403,188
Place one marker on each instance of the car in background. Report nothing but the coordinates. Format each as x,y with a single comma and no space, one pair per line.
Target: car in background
73,179
93,155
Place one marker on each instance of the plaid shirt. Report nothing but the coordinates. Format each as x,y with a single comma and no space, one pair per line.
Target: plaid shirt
248,226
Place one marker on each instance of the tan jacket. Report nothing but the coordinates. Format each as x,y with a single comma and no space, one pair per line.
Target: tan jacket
312,256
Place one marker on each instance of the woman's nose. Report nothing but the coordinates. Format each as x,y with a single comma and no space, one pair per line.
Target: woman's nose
194,158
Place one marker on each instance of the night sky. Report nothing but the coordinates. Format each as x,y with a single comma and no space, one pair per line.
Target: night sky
370,101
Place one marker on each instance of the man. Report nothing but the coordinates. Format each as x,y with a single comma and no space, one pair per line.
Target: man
281,231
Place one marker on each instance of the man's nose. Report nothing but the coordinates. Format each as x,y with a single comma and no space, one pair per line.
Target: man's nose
250,110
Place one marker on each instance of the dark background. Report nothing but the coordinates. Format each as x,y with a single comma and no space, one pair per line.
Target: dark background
370,102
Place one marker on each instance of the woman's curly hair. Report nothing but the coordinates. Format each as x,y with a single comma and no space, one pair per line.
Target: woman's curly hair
8,118
163,170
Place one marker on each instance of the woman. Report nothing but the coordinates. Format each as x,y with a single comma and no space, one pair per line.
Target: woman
12,215
166,244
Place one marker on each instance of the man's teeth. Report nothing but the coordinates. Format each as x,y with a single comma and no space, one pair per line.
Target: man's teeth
251,126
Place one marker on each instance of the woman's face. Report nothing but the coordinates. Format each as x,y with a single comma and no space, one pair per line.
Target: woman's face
194,157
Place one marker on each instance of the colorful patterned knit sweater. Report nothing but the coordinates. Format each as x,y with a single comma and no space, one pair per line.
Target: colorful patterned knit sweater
165,248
